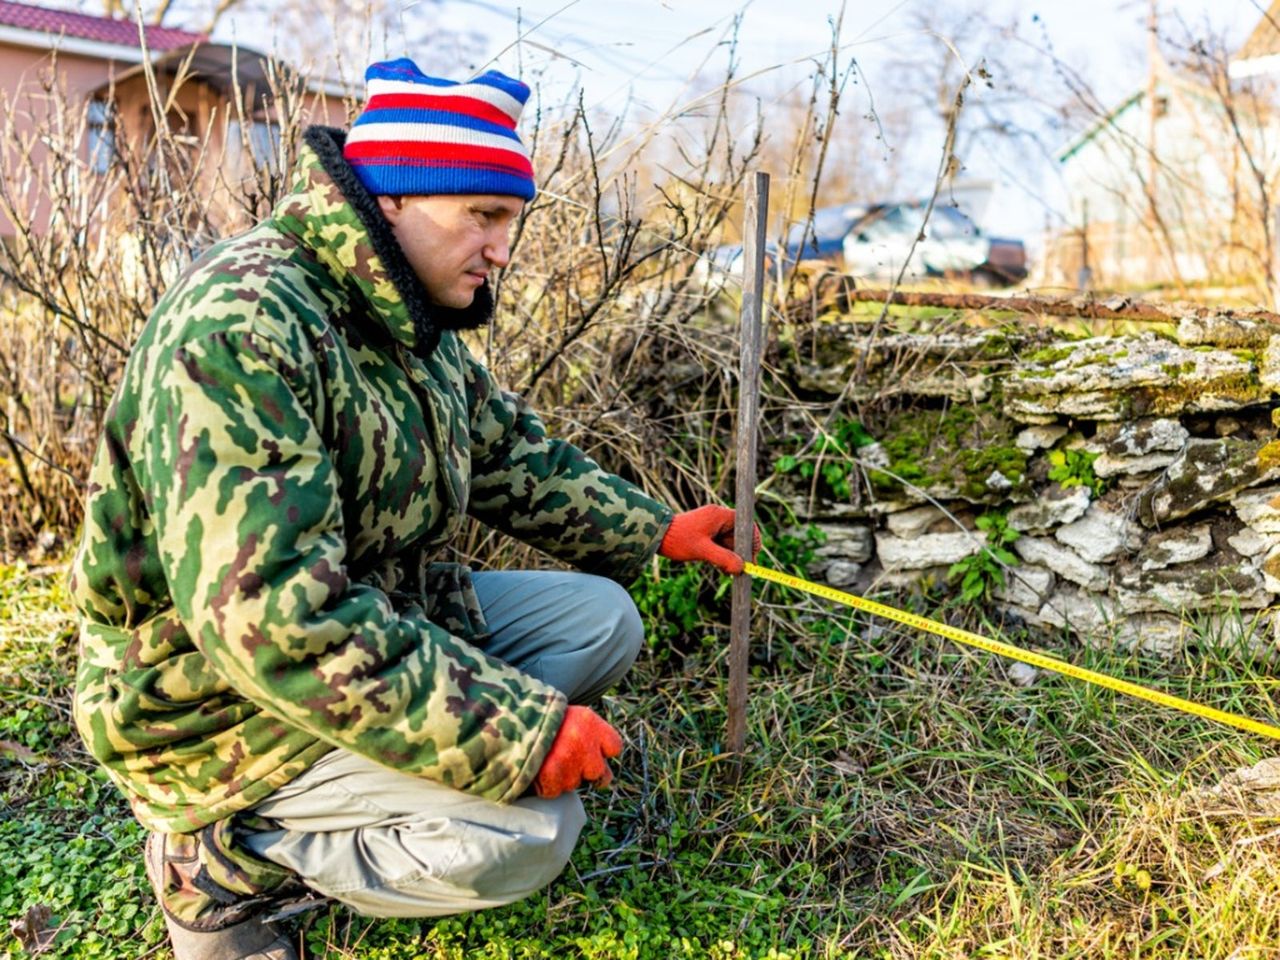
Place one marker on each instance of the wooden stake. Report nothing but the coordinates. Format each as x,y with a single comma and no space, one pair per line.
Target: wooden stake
753,229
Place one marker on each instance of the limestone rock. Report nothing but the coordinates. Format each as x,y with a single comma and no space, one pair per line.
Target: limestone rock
913,522
1223,331
1143,437
820,508
997,482
1271,570
1108,466
1259,509
838,573
1025,586
1226,426
1100,535
928,550
1022,674
1083,613
1113,378
1039,437
1062,560
845,542
1153,632
1055,506
896,581
1205,472
840,558
1180,545
1250,543
1204,585
949,364
1269,366
1247,792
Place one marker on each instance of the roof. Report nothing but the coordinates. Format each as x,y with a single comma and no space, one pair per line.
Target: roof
1169,82
1265,38
26,16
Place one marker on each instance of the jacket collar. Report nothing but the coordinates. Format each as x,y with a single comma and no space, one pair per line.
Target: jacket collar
331,213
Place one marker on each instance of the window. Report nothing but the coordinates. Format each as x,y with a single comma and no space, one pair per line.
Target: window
101,136
264,140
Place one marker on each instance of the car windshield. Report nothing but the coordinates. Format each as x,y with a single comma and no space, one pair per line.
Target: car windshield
948,223
829,223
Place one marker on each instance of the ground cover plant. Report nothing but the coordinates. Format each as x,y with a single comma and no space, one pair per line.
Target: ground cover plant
901,798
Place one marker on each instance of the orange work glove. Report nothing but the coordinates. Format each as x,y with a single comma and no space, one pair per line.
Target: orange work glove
706,534
578,754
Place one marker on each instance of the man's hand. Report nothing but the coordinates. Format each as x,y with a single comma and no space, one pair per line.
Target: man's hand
578,754
706,534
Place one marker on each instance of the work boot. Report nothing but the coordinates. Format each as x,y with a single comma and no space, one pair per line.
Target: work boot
251,939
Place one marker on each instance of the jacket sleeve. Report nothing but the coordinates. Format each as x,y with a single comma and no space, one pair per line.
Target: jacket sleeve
549,493
247,513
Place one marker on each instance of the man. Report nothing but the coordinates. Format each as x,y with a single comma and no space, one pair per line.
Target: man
293,694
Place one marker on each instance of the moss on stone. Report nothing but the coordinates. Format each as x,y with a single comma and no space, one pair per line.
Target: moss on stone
1178,369
1051,354
958,448
1239,388
1269,457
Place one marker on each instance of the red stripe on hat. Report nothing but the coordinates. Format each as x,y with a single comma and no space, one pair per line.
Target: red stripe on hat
390,151
468,106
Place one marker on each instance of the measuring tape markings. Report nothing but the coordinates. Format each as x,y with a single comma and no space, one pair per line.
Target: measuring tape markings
1040,660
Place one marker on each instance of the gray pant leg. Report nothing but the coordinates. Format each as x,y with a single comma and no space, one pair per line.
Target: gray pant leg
391,845
578,632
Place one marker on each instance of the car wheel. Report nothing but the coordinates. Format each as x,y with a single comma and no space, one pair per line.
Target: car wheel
987,279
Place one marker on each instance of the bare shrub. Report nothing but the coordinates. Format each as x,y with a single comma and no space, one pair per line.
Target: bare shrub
610,320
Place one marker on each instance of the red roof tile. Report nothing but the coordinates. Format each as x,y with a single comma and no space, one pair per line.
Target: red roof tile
26,16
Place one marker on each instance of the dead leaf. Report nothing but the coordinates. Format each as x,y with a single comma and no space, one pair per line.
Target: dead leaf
16,751
33,930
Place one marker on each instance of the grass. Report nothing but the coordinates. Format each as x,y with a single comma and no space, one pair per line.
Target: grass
902,798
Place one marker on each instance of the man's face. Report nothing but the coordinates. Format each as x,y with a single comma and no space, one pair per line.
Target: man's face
452,241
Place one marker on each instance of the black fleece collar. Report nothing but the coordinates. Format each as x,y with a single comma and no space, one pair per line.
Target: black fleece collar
429,319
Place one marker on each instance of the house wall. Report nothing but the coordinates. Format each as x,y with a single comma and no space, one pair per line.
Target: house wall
25,73
1208,209
200,111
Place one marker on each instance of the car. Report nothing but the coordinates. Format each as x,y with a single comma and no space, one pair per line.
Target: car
824,239
949,245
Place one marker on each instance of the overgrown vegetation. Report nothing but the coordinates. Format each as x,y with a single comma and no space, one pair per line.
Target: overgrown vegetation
902,798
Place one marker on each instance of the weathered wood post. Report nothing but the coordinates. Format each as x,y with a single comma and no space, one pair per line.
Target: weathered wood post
753,228
1274,279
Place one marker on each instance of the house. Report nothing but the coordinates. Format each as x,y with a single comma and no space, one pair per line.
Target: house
1163,189
98,65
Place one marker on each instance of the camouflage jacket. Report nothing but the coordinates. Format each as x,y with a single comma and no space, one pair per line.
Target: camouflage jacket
296,435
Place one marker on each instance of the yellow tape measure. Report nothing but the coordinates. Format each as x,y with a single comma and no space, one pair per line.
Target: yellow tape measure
1005,650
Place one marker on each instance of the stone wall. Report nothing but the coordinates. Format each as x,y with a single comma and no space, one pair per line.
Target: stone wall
1141,471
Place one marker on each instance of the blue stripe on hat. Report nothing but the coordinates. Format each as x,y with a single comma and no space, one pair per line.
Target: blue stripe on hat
423,115
517,89
397,179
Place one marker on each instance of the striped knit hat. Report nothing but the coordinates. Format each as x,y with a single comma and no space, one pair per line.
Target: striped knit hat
419,135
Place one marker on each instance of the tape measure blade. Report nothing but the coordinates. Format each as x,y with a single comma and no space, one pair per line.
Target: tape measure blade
998,648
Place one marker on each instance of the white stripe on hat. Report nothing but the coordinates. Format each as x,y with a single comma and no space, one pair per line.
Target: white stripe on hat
477,91
433,133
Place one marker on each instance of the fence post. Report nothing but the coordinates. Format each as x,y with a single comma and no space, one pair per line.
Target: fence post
1273,281
754,222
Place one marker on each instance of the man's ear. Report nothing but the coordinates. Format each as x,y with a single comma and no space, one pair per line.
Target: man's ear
391,207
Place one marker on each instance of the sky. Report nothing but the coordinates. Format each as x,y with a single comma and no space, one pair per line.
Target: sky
653,54
654,50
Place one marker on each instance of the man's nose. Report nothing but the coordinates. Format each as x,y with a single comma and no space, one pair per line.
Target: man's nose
498,251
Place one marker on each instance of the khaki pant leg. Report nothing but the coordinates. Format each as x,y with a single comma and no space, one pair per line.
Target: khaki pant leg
391,845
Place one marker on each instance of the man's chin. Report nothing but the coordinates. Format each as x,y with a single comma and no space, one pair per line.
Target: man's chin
458,300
